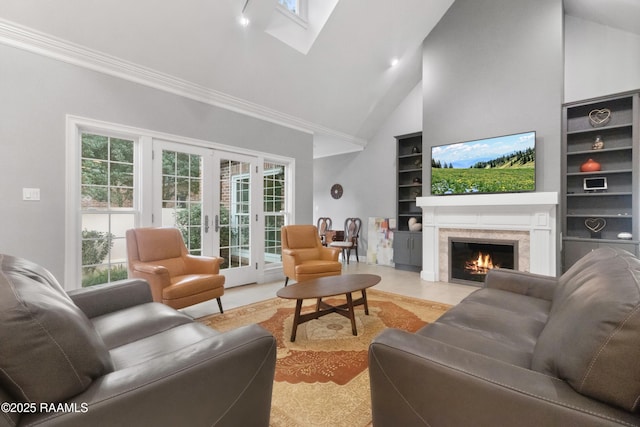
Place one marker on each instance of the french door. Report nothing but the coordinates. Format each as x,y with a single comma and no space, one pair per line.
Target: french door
213,198
235,215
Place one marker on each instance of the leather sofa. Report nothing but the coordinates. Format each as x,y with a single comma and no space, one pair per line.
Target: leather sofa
524,350
108,355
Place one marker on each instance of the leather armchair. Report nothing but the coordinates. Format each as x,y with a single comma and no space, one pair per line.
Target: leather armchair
177,279
108,355
304,257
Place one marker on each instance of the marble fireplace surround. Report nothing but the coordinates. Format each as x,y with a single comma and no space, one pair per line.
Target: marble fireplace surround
529,218
521,238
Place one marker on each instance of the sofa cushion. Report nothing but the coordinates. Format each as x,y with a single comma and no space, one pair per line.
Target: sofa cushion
496,323
163,343
140,321
592,338
318,266
189,284
50,350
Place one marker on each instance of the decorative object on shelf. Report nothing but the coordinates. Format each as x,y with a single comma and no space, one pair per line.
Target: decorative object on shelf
600,117
598,144
590,166
598,183
595,226
414,225
336,191
625,236
418,163
415,149
417,180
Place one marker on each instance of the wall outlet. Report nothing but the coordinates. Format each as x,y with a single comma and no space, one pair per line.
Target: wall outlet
31,194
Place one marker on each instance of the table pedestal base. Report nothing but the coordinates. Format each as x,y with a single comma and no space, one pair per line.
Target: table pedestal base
322,309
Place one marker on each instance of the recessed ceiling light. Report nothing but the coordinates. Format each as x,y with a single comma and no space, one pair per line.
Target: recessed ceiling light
244,21
394,62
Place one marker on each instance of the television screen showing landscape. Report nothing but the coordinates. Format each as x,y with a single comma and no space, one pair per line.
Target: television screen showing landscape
504,164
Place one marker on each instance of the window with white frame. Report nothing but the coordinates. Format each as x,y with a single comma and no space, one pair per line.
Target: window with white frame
239,239
274,178
107,205
113,188
182,196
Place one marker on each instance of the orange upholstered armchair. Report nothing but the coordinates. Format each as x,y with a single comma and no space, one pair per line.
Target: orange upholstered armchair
304,257
176,278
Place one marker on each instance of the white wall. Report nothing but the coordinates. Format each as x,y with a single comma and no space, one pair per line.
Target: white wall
599,60
369,176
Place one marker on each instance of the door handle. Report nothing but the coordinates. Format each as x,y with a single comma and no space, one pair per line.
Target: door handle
206,223
216,224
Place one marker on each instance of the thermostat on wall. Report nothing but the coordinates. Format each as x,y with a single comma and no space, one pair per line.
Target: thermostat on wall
595,184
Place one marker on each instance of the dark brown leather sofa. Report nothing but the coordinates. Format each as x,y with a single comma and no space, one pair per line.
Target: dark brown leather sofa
108,355
525,350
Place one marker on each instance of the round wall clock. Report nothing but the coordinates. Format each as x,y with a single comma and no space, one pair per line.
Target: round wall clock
336,191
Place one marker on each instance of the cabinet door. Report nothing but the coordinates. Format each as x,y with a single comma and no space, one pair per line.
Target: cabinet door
574,250
416,249
401,248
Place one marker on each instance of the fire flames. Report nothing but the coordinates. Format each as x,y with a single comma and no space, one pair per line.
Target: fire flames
481,265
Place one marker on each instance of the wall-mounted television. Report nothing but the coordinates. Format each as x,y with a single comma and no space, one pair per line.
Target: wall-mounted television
502,164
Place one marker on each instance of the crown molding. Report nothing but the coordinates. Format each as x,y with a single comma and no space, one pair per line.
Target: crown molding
18,36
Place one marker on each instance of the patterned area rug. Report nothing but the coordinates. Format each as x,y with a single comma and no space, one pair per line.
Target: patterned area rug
322,379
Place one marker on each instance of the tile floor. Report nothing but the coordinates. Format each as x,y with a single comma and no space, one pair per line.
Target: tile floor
396,281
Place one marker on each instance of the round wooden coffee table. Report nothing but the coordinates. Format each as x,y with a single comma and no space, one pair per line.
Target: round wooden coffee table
328,287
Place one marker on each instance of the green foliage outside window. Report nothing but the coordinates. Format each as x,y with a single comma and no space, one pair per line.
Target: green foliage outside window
188,221
95,249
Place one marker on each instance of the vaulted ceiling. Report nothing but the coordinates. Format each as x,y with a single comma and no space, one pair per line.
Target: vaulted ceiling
341,89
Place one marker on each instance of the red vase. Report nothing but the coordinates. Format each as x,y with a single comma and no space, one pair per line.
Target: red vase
590,166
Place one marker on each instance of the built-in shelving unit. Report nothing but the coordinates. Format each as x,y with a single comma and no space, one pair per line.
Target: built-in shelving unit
594,217
409,178
408,244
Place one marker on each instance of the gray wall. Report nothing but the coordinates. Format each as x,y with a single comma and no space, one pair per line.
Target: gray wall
369,176
494,67
599,60
37,93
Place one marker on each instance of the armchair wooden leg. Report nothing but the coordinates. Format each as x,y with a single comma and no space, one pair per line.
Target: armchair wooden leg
220,305
286,281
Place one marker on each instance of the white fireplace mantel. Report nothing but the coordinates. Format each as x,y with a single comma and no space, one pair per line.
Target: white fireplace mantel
532,212
504,199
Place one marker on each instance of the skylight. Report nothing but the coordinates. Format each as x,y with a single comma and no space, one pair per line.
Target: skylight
300,21
290,5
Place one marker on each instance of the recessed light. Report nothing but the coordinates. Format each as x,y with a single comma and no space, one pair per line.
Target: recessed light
244,21
394,62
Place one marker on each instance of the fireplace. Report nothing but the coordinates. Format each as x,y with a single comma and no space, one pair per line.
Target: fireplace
471,259
529,218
